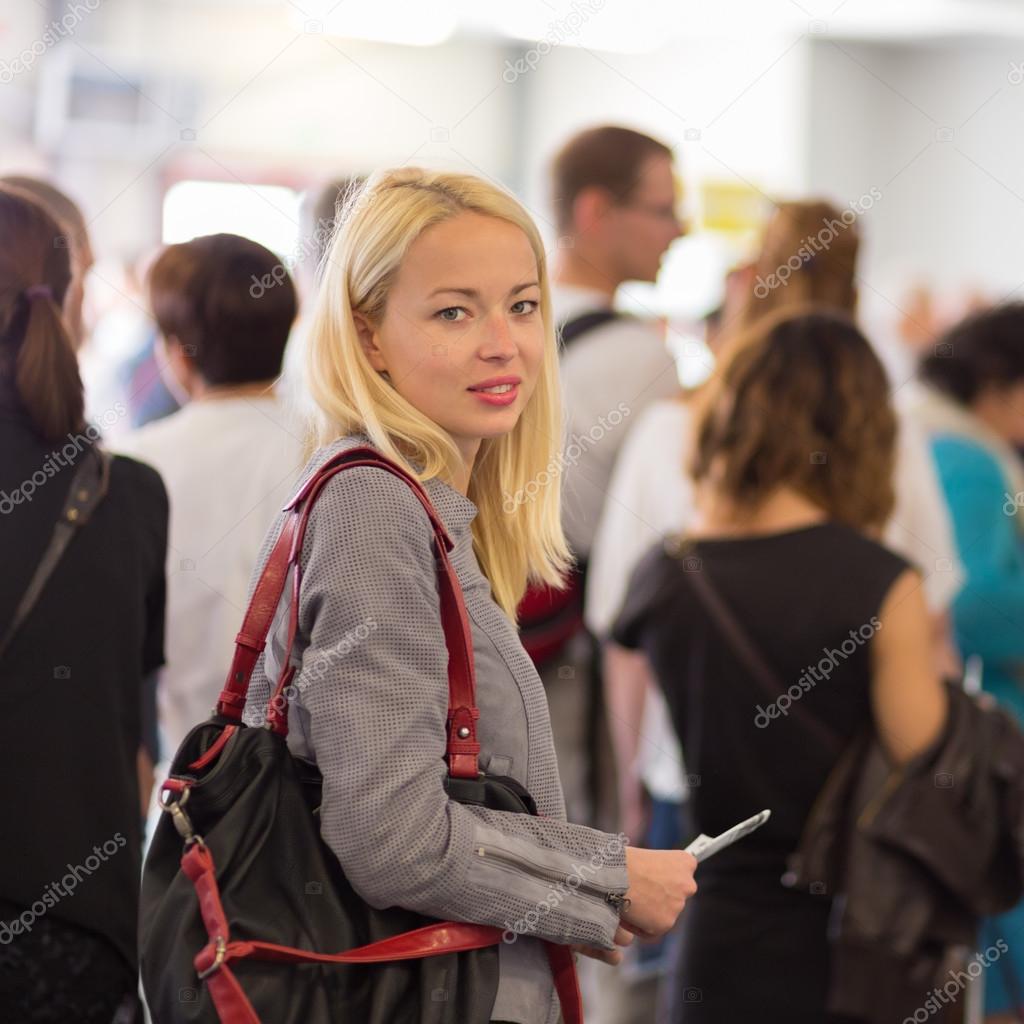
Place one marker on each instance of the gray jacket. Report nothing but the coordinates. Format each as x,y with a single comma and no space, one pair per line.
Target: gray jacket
369,708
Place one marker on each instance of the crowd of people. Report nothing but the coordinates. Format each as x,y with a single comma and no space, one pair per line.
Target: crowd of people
779,590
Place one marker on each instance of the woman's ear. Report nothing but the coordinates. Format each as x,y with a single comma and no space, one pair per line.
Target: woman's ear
589,208
368,340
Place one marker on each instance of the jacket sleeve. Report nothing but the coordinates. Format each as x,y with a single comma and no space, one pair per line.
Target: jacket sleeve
373,683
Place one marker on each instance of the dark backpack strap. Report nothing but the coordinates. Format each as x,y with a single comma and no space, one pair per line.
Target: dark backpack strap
549,617
572,328
88,486
745,648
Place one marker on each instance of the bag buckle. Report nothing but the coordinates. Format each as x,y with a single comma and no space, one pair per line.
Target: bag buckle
221,949
173,805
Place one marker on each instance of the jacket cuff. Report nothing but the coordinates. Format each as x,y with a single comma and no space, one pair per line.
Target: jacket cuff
550,894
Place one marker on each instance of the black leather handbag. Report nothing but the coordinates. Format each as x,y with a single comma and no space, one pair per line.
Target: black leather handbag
240,893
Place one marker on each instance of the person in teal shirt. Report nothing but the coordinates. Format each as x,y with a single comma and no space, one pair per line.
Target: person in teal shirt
973,409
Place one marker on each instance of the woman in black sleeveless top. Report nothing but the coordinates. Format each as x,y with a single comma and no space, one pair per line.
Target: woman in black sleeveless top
792,460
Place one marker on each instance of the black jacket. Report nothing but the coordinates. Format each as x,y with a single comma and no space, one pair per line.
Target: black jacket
915,856
71,683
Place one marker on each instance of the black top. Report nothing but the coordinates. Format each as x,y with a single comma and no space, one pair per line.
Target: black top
798,595
71,683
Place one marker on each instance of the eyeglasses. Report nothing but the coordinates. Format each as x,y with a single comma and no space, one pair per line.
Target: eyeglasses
662,211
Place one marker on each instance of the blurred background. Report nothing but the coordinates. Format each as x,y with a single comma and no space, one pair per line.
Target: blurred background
170,119
184,117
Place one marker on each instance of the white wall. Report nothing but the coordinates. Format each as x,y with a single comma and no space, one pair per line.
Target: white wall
743,95
779,110
952,211
267,102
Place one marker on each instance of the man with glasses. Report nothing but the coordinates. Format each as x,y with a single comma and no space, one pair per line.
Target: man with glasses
614,194
615,203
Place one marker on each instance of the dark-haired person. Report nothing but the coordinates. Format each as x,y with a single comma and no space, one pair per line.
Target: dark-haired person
973,407
787,540
74,235
72,670
615,203
650,493
616,210
224,306
106,376
614,199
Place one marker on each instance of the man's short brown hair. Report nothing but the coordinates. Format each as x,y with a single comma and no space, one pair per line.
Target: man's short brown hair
609,157
229,301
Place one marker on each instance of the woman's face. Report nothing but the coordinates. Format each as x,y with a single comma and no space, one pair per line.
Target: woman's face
462,337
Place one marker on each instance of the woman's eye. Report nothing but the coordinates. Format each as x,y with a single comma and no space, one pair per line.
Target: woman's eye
451,314
531,303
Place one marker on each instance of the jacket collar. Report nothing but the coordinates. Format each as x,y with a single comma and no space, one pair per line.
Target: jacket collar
457,511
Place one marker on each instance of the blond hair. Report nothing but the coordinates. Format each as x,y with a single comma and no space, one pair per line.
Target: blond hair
377,224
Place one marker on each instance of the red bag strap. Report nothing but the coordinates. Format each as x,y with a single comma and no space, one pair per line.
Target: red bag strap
462,745
213,960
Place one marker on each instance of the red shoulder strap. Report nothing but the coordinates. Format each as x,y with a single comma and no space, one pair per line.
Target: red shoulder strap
213,962
462,744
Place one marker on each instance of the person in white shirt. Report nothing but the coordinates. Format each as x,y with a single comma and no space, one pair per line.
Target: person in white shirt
230,457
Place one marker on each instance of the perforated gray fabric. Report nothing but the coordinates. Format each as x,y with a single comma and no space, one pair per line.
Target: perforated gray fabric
369,708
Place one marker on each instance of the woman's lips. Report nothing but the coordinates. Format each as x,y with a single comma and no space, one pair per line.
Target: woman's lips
504,397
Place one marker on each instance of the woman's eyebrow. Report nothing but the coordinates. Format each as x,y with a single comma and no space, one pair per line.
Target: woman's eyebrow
472,293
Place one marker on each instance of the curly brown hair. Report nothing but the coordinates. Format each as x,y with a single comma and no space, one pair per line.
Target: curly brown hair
801,401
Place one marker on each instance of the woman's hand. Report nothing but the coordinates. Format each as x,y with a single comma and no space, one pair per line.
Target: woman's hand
608,956
660,882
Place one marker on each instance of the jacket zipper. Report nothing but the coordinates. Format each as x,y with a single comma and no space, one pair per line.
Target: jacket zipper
618,900
874,805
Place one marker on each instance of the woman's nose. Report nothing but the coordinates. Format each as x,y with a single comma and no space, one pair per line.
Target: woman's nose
497,341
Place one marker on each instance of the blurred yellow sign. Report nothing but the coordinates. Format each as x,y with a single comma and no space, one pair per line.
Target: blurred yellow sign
732,207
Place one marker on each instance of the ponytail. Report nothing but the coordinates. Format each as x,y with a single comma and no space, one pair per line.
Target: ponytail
46,372
37,356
